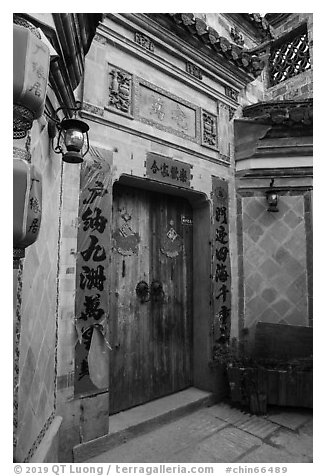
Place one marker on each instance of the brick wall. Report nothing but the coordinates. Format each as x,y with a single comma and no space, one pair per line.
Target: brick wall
274,259
36,325
300,86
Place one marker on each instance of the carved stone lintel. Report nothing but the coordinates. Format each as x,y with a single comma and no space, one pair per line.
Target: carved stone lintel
120,90
194,70
209,130
144,42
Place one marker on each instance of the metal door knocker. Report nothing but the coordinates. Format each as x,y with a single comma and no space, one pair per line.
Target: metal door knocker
157,293
142,291
153,293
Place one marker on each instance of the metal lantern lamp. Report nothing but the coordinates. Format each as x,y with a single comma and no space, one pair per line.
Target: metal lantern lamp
272,198
74,132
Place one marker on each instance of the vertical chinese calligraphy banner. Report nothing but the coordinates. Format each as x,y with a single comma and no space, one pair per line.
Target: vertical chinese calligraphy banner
221,265
91,308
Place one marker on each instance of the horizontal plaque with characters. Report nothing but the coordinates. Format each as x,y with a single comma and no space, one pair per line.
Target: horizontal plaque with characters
167,170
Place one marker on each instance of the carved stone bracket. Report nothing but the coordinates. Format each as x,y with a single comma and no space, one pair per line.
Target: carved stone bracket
231,112
120,91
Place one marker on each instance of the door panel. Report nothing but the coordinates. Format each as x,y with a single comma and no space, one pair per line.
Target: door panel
151,341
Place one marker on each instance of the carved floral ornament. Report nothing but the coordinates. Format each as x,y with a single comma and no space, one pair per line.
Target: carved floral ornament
226,107
144,41
209,130
120,90
194,70
231,93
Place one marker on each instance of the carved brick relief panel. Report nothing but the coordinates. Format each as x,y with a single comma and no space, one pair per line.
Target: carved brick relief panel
194,70
209,129
144,42
119,91
165,111
231,93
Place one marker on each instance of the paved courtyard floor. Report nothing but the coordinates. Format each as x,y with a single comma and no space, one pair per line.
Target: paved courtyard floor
222,434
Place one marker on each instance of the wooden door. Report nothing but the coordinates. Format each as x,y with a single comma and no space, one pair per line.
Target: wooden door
151,338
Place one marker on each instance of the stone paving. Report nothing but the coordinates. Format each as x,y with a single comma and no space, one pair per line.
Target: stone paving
222,434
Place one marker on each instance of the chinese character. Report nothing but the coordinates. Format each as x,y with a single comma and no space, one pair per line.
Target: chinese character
223,292
221,234
221,273
172,234
155,167
92,278
95,250
180,117
221,212
98,191
37,87
165,170
224,319
39,71
92,308
34,226
174,172
97,222
224,315
221,253
158,108
34,205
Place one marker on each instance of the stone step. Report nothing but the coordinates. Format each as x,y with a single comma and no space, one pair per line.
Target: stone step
133,422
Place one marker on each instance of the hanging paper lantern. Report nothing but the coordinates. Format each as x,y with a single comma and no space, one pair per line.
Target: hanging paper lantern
27,189
31,60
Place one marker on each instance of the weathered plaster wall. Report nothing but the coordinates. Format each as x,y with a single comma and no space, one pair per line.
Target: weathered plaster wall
275,257
36,311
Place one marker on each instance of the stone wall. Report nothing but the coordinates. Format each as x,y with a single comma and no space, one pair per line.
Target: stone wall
35,343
